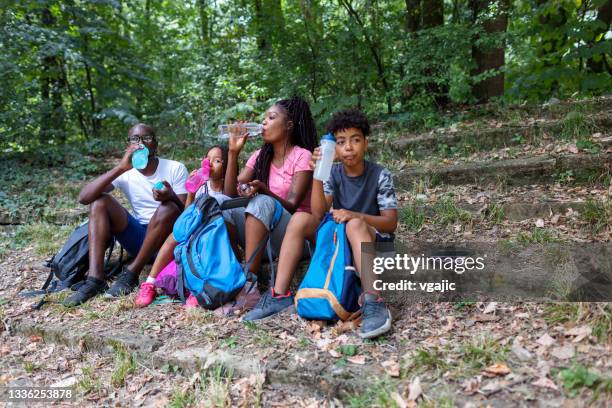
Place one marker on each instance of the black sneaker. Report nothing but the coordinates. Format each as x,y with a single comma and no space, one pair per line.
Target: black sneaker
88,289
124,285
376,319
268,306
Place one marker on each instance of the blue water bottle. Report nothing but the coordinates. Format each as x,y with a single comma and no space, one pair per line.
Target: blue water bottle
140,157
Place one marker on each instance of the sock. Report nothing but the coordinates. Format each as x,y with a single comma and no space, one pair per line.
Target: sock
95,280
150,279
279,296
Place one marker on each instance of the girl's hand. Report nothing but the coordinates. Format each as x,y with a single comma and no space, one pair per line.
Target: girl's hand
316,155
237,137
193,173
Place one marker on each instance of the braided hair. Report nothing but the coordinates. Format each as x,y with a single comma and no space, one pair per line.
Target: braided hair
303,134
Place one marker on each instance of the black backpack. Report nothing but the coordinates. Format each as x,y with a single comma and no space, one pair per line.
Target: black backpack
69,266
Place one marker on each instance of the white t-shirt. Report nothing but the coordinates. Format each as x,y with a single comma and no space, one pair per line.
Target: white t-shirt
138,188
206,188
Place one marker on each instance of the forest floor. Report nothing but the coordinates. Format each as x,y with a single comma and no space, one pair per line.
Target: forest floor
439,354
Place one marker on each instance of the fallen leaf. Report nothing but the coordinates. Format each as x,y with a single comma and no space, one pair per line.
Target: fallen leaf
563,352
391,367
545,383
496,369
415,390
398,400
580,333
357,360
555,219
35,339
492,385
545,340
519,351
539,223
490,308
572,148
486,318
471,386
334,353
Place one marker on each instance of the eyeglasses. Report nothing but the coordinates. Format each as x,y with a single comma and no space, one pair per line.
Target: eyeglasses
140,138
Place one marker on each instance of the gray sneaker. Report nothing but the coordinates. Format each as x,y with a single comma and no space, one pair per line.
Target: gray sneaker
376,319
268,306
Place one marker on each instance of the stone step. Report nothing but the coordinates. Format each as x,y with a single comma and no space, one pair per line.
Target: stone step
513,171
516,211
485,139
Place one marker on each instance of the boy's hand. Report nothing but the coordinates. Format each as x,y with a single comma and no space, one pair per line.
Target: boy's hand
316,155
164,194
126,161
343,215
237,137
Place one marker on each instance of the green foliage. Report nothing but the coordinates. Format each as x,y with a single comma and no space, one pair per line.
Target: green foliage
412,218
597,214
578,377
83,72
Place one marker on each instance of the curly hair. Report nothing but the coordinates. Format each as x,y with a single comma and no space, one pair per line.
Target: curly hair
303,134
349,118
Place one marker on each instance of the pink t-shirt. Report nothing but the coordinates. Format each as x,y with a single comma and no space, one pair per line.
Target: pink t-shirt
281,177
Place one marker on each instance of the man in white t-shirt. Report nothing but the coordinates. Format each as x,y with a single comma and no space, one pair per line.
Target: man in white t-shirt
140,234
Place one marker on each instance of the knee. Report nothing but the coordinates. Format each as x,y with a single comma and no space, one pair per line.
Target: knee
299,222
167,211
259,203
356,226
100,205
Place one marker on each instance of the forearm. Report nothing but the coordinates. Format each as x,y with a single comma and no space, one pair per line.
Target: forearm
177,200
92,191
231,175
318,204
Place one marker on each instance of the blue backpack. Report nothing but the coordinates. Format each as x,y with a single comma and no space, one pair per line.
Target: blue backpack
205,262
331,288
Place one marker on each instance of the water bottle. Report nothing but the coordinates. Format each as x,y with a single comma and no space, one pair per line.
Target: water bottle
140,157
254,130
194,182
324,164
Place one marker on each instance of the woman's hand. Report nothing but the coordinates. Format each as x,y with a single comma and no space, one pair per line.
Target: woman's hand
237,137
254,187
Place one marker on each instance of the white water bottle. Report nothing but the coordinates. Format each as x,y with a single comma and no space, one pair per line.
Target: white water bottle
254,130
324,164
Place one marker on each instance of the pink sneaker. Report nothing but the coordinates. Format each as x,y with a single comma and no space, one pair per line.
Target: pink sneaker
191,302
146,294
246,300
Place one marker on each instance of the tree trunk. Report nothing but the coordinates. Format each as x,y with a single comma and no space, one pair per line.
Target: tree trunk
433,16
489,59
311,26
413,15
598,63
433,13
52,124
203,11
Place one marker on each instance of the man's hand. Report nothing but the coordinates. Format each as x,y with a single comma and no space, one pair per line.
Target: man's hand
126,161
316,155
237,137
343,215
165,194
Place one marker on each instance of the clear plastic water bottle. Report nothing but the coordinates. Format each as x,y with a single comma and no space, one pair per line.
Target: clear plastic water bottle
140,157
196,181
324,164
254,129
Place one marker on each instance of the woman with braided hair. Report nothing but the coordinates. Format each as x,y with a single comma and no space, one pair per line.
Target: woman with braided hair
277,178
